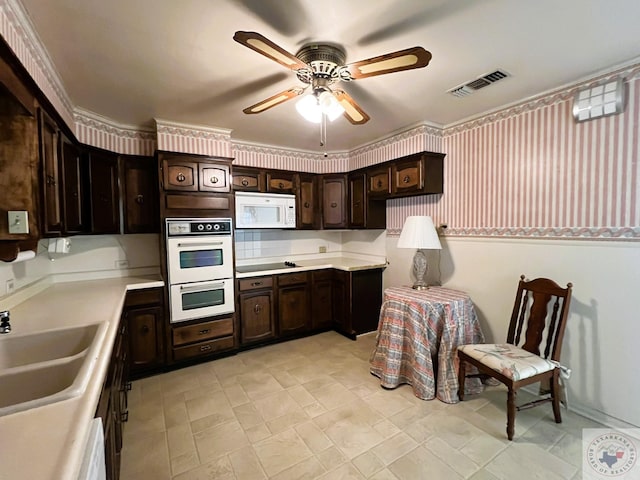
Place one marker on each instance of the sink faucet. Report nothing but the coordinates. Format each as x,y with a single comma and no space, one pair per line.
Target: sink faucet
5,325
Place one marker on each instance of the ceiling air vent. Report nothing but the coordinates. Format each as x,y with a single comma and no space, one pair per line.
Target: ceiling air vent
483,81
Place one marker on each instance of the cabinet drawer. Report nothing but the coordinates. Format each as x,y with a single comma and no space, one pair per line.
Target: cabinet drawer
247,180
198,202
202,331
150,296
280,182
254,283
293,278
407,176
201,349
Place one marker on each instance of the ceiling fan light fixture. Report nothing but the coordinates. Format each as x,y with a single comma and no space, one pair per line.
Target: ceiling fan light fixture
312,106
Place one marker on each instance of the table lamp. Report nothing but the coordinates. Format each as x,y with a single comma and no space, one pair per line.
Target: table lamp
419,232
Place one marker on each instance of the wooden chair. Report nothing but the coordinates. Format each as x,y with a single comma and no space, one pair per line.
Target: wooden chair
517,363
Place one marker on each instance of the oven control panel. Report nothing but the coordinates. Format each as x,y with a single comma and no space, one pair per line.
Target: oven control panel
179,227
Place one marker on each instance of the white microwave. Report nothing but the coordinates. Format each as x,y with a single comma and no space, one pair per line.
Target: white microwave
265,210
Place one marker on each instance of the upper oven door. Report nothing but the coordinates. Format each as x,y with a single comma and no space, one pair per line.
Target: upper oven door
197,259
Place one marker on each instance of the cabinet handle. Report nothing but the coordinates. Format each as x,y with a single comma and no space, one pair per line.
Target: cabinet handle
356,204
204,348
181,177
214,180
257,309
244,182
406,179
306,205
334,204
379,183
280,185
145,329
204,331
128,386
124,417
140,199
256,284
75,194
51,180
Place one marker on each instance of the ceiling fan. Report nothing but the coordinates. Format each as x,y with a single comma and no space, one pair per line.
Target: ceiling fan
321,66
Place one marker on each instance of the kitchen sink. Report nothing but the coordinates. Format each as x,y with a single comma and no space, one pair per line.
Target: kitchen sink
46,367
32,387
19,350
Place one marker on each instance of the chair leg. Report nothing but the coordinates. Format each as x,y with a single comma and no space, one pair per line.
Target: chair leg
555,395
511,413
461,378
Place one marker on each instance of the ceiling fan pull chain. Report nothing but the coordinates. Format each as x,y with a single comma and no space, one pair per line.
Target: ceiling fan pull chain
323,129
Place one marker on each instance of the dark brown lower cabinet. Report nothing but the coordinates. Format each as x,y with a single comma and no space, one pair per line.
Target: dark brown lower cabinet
321,299
112,405
256,309
145,318
293,304
357,298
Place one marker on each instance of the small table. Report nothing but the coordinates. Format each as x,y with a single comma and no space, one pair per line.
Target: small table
418,335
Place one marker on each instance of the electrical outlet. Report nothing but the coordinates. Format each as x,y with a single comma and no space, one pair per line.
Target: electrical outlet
122,264
10,286
322,249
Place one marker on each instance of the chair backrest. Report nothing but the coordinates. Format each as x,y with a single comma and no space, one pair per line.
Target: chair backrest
542,306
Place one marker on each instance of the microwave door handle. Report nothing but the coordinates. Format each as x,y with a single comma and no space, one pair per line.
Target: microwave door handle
203,287
201,244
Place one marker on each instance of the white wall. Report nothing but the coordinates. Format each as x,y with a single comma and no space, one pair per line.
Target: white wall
88,254
603,326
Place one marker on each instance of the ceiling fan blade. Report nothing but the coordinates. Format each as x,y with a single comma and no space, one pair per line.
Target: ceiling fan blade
274,100
266,47
408,59
352,110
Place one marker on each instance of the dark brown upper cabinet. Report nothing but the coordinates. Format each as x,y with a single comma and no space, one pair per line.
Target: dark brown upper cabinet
103,181
280,181
307,202
139,194
48,135
74,188
334,201
247,179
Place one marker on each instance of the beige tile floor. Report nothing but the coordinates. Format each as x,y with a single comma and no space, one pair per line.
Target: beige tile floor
310,409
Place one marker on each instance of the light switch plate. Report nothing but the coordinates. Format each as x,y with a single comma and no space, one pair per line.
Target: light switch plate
18,221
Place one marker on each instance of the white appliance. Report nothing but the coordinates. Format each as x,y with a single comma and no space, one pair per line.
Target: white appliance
265,210
93,461
200,267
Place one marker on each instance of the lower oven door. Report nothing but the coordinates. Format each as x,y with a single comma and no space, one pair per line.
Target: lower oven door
190,301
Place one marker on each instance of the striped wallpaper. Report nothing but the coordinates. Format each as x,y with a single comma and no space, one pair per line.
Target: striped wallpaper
532,171
177,137
97,131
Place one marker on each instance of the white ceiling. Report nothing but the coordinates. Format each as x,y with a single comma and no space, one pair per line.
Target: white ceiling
133,61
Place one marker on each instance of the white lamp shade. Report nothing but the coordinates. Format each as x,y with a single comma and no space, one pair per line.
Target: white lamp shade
311,107
419,232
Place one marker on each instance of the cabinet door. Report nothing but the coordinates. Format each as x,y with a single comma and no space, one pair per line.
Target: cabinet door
103,177
321,299
180,175
213,178
341,301
145,338
248,180
51,211
307,202
74,204
280,182
293,309
357,200
139,180
334,196
407,176
257,321
378,184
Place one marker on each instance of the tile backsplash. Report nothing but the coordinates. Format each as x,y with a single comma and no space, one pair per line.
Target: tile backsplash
250,244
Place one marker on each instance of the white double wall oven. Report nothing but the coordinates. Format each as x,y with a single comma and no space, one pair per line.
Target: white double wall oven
199,267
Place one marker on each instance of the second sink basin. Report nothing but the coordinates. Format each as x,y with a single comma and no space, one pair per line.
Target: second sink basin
19,350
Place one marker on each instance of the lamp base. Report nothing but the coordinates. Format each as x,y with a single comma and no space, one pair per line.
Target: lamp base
421,287
420,269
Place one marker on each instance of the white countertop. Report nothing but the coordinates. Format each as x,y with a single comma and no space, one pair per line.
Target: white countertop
349,262
48,442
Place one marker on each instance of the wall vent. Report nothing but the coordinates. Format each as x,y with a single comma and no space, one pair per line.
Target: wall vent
482,81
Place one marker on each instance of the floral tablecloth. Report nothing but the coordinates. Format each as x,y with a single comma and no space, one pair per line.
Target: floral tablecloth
417,340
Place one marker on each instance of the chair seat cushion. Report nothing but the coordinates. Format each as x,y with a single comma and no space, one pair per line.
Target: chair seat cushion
511,361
